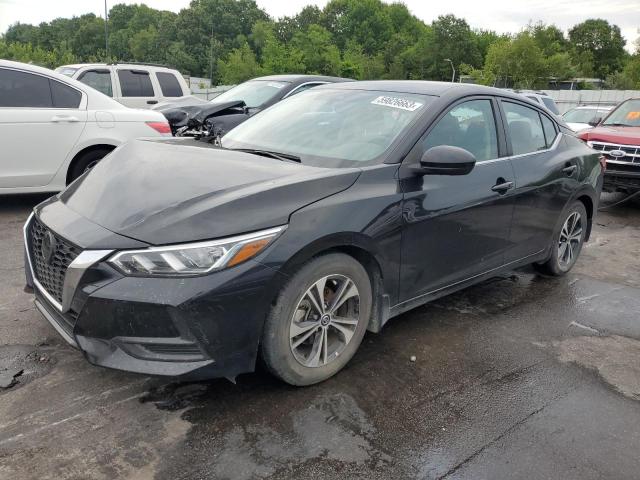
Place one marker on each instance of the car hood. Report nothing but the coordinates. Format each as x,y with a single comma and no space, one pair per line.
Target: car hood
578,127
182,190
195,115
621,135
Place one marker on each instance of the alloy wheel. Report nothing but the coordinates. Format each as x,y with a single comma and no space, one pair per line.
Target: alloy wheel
570,240
324,320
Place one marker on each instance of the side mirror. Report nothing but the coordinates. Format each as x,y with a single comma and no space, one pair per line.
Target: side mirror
595,121
446,160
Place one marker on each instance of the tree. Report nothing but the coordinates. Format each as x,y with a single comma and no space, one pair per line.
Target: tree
602,41
320,55
517,62
241,65
454,40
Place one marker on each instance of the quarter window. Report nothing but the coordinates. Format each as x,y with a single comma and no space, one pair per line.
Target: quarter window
469,125
98,79
64,96
20,89
549,130
169,84
135,83
524,128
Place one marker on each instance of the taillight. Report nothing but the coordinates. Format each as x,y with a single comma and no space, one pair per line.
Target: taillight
603,162
160,127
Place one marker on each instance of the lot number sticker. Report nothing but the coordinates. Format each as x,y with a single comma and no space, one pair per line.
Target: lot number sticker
394,102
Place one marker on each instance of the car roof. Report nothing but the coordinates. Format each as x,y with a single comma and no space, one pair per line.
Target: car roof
303,78
425,87
129,65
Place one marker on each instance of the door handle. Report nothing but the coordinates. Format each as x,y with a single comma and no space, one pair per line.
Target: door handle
569,169
502,186
64,118
152,102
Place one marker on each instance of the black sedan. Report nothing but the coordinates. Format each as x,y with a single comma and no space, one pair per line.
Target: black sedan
321,218
208,121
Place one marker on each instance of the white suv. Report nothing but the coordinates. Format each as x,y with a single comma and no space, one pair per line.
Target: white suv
133,85
53,128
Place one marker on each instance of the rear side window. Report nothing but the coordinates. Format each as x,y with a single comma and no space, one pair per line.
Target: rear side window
525,128
550,131
469,125
21,89
551,105
135,83
64,96
169,84
98,79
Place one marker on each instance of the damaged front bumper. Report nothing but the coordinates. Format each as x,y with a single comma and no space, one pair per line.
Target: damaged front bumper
195,327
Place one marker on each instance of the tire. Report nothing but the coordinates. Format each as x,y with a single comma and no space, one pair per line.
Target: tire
86,162
293,344
565,253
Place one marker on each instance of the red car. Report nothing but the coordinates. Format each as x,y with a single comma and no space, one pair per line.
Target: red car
618,137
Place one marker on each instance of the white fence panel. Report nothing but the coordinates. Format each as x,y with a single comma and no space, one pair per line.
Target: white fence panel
567,99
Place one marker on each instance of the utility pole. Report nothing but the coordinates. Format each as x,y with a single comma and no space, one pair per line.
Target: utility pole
211,56
453,75
106,32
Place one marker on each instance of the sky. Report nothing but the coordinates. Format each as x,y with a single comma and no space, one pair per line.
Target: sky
499,15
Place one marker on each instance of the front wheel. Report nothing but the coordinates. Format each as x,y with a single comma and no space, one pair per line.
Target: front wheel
318,320
567,242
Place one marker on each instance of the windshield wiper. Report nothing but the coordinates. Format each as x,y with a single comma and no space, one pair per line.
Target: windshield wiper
617,124
285,157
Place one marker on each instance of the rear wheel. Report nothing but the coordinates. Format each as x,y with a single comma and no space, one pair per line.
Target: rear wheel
567,242
86,162
318,320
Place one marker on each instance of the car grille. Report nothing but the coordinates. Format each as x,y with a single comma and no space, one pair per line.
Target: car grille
50,272
631,152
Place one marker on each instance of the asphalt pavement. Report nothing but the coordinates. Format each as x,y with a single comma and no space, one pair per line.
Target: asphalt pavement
521,377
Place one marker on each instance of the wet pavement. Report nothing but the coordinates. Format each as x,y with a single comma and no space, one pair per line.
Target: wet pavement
520,377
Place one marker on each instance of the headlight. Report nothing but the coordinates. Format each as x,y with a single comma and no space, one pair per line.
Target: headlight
193,258
590,144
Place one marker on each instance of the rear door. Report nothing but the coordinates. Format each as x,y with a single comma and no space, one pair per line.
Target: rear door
136,88
41,120
457,227
545,177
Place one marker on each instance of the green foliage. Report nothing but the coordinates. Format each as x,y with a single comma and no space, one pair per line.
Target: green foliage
517,62
231,40
239,67
602,41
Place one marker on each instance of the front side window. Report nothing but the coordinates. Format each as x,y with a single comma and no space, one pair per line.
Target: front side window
304,87
331,127
98,79
524,128
469,125
21,89
169,84
551,105
253,93
135,83
626,115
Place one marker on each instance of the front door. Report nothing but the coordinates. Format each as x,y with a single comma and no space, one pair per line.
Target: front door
457,227
41,120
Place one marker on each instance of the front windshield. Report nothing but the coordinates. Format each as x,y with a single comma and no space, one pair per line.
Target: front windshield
626,115
68,71
583,115
326,127
253,93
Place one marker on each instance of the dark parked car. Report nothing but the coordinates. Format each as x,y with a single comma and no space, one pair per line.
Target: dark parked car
192,117
320,218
